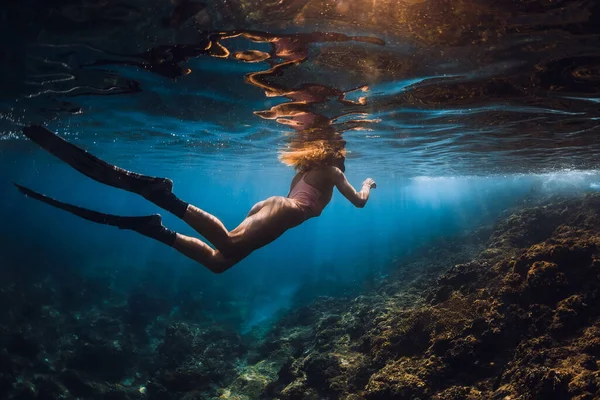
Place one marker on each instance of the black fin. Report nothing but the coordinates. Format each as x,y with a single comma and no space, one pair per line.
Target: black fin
90,215
93,167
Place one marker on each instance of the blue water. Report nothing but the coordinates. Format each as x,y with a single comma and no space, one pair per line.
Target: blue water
455,129
464,112
335,254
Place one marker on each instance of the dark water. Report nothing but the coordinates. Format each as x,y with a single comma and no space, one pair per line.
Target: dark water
459,110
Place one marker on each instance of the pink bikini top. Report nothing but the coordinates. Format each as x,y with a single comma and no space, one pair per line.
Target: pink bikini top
308,197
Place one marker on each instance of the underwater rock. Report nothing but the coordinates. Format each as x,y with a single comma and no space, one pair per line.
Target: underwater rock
177,345
590,340
254,380
459,393
459,277
515,322
108,360
405,378
48,388
298,391
570,314
320,369
76,384
192,358
516,319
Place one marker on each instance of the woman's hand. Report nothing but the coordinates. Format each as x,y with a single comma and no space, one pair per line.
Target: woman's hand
370,183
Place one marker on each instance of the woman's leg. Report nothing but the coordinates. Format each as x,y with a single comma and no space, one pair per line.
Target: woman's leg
156,190
208,226
150,226
275,216
265,222
212,228
202,253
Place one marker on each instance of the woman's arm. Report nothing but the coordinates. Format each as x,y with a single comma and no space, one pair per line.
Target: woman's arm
359,199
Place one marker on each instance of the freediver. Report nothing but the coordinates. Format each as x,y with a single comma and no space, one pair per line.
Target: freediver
320,167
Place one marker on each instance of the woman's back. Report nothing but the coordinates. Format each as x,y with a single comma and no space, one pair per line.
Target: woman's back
319,178
312,190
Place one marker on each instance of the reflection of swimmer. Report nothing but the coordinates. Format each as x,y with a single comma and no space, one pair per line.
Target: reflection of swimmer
288,51
305,93
166,60
319,165
298,113
293,47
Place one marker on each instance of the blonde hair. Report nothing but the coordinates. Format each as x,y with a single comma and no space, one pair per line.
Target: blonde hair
313,154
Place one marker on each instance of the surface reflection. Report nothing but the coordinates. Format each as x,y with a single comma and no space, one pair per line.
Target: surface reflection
459,87
312,130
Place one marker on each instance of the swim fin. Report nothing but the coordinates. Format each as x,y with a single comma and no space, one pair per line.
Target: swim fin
148,225
93,167
94,216
156,190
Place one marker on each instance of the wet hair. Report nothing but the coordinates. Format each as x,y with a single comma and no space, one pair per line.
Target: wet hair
315,154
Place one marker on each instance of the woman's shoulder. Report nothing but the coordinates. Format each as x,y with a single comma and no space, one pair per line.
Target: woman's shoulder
326,169
333,170
329,174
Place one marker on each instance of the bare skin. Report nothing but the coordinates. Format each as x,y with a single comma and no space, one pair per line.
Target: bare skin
266,221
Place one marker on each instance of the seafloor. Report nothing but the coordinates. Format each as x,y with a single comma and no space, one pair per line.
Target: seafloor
508,311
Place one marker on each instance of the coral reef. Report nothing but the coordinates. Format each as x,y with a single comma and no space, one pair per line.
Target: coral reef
75,336
510,313
517,321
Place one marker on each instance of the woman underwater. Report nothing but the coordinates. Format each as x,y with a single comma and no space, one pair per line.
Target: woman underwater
320,167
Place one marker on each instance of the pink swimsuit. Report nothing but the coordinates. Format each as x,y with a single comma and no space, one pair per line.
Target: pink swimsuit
309,198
